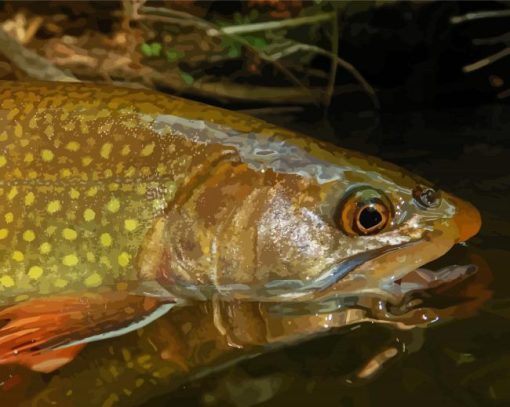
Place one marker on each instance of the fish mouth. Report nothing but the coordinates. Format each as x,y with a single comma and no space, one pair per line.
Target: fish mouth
395,271
357,276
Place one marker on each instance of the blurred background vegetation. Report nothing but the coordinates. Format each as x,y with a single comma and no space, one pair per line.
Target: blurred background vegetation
266,52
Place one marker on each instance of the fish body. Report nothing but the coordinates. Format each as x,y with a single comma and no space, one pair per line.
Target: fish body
107,191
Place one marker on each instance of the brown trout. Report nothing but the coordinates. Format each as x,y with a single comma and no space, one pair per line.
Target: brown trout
118,204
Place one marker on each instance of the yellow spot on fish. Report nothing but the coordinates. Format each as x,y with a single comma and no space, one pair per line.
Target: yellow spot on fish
47,155
18,256
106,149
92,191
12,193
35,272
90,257
29,157
60,283
73,146
12,114
94,280
106,239
65,173
6,281
141,189
49,132
50,230
70,260
3,160
74,193
4,233
89,214
45,248
28,235
130,224
130,171
147,150
9,217
113,205
29,198
86,160
124,259
125,150
18,130
54,206
69,234
161,169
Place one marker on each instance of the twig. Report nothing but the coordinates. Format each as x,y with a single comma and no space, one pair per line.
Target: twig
34,65
273,25
267,94
174,17
487,60
328,95
340,61
504,38
479,15
168,15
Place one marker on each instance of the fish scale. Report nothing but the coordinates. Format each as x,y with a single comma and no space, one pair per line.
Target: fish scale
78,197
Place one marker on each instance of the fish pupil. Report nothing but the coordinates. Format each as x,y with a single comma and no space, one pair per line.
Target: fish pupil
369,218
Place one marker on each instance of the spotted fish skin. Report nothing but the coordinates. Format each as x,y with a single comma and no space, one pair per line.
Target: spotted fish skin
101,187
83,176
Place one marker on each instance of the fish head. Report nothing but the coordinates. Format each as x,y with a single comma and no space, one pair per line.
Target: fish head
333,222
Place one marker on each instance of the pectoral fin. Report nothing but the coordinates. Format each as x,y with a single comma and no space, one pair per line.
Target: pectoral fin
44,334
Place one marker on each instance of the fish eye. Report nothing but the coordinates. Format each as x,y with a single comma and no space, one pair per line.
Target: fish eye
426,197
365,212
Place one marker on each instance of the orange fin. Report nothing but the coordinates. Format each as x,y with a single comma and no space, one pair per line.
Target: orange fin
49,360
46,333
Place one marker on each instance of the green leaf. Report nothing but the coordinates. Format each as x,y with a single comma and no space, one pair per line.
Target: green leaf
151,50
234,51
187,78
256,42
156,49
146,49
173,55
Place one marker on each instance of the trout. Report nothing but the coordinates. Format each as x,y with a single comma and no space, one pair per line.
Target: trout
117,205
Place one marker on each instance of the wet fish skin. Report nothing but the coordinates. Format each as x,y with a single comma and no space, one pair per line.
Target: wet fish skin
105,186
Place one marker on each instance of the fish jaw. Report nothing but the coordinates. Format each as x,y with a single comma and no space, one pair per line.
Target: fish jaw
467,219
380,275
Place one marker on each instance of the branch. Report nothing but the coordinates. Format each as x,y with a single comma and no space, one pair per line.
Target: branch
479,15
504,38
34,65
334,62
183,18
487,61
273,25
340,61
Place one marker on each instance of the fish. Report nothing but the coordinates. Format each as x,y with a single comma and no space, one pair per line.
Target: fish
117,205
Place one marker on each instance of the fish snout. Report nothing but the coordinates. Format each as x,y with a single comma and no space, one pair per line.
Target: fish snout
467,218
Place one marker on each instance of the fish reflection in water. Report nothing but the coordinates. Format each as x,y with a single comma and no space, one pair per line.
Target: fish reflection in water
192,341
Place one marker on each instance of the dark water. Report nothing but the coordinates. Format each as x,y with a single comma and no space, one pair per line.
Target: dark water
464,362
